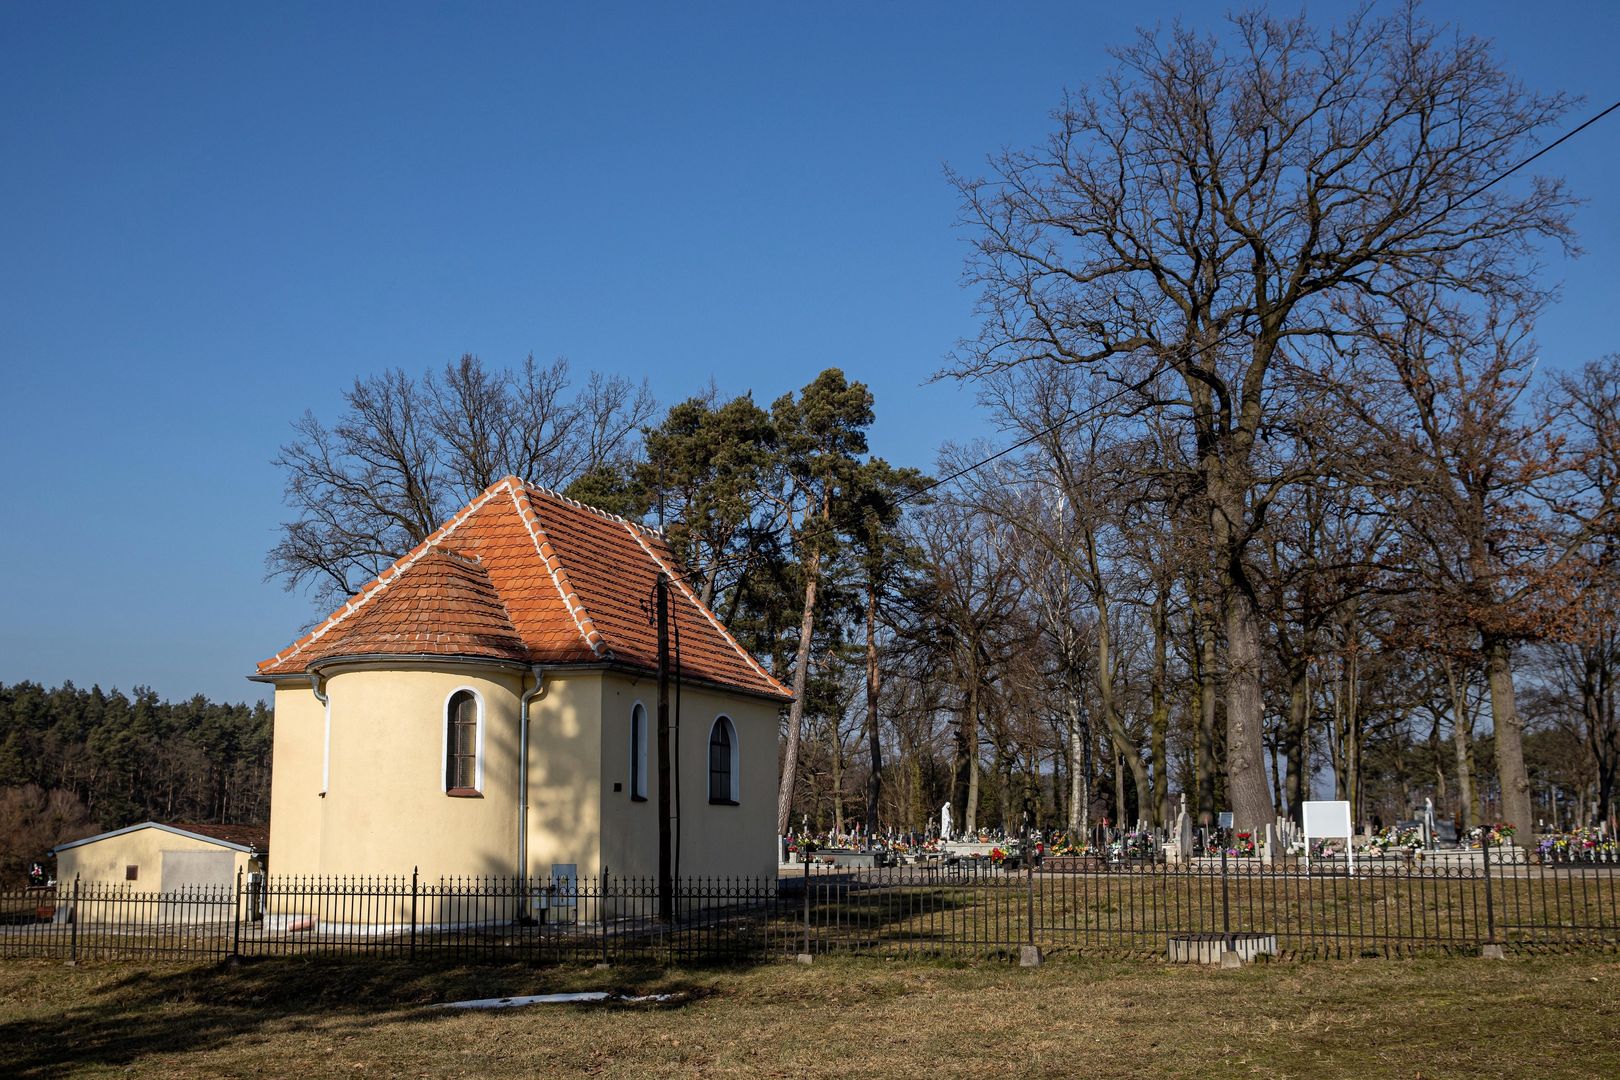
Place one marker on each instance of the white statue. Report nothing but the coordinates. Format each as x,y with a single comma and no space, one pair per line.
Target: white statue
945,822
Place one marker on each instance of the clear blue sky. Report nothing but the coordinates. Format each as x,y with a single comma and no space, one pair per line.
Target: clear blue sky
216,216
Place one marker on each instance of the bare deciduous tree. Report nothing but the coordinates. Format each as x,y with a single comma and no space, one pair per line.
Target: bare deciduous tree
405,453
1209,203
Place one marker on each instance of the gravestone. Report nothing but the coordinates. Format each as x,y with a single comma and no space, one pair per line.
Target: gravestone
1184,832
1267,852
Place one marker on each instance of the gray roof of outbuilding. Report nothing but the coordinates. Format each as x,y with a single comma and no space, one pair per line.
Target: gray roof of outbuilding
253,839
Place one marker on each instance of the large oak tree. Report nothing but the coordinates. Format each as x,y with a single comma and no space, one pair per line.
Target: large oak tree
1208,204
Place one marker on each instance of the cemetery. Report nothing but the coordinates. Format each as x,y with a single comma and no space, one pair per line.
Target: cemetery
1189,894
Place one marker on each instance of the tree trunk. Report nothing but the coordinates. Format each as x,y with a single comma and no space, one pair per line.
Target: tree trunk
1006,764
1160,716
1297,739
873,735
1462,740
918,817
969,748
1208,762
1079,770
1123,748
1509,740
801,673
1438,762
1350,718
1119,786
837,749
1246,788
1602,736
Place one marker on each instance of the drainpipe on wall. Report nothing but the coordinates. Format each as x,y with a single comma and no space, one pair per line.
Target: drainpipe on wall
326,732
523,787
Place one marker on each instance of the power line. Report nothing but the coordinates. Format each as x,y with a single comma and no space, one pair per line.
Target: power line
1499,177
1158,370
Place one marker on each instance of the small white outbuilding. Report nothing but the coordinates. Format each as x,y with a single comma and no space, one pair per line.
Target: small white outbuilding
163,858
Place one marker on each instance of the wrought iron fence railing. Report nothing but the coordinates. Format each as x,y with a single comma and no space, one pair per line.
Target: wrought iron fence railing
1390,906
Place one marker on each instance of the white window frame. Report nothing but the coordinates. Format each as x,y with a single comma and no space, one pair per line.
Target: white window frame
638,753
444,740
735,795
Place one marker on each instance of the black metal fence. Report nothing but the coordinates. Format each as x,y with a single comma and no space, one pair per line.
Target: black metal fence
1390,906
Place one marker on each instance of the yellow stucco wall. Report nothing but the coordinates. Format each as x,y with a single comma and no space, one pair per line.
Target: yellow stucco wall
565,789
295,780
384,810
103,862
726,841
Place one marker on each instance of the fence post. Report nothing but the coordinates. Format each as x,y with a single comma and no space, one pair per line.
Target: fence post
805,956
73,923
1226,904
1029,881
601,911
1030,954
236,910
414,872
1491,949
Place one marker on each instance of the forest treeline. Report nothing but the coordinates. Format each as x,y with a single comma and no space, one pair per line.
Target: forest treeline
74,761
1285,503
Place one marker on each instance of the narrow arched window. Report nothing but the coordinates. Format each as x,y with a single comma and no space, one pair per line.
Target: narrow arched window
723,762
638,753
461,744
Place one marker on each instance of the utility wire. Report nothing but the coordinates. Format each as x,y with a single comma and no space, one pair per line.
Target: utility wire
1158,370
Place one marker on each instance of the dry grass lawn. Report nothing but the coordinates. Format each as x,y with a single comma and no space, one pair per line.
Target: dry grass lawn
1546,1016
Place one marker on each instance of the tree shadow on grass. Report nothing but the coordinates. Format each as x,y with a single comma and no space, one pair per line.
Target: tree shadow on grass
170,1010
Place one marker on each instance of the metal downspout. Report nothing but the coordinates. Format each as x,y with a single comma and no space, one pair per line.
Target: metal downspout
523,787
326,731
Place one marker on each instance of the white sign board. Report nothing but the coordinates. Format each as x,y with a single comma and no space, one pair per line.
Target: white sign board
1329,820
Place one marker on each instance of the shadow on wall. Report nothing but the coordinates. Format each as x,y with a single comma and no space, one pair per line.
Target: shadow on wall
88,1019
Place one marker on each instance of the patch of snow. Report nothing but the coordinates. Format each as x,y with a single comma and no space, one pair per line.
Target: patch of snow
548,999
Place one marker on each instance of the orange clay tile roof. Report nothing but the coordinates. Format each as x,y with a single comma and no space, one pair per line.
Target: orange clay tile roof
524,574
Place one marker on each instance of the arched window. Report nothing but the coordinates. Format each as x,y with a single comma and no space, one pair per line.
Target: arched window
638,753
461,744
723,762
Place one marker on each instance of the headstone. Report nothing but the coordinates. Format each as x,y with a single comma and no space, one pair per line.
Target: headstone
1266,853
